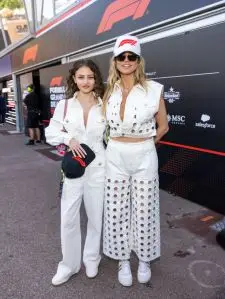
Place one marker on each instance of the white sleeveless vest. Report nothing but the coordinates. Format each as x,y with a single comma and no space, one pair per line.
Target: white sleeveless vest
139,115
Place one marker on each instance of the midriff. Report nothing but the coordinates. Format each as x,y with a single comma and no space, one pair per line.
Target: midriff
129,139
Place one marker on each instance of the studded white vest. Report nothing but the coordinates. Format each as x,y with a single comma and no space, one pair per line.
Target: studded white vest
139,115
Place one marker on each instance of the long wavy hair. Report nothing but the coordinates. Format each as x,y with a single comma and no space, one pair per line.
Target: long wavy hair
114,76
71,86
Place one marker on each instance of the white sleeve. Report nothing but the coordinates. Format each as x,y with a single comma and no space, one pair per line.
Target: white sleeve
54,132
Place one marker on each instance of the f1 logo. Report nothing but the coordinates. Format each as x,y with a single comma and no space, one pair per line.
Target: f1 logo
30,54
128,41
120,10
56,81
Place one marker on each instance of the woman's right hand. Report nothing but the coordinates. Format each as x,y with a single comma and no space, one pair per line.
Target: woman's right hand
77,148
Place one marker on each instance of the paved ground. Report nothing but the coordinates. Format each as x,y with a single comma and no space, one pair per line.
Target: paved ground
192,265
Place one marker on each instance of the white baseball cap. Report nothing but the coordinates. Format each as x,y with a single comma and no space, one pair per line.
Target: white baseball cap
127,43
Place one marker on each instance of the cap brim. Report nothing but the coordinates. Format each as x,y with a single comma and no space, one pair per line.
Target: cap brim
117,54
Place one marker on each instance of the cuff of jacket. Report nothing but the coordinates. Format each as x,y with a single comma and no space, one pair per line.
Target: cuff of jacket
67,138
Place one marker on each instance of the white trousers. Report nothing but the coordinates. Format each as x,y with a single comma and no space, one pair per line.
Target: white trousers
90,188
131,209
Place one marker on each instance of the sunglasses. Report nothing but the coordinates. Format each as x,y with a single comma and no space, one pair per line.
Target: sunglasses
130,57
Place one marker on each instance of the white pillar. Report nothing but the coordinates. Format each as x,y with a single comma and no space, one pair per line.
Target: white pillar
18,105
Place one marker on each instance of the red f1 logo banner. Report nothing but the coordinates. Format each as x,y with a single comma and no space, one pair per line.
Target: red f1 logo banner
120,10
30,54
56,81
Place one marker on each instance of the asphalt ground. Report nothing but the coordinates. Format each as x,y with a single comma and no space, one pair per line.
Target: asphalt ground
192,265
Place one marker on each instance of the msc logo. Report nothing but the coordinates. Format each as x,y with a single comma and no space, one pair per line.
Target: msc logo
120,10
56,81
30,54
176,119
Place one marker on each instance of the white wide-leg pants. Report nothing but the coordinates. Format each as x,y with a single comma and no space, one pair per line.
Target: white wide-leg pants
131,209
89,187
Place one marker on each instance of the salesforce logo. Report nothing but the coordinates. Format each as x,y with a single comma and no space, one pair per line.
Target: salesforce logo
205,118
176,119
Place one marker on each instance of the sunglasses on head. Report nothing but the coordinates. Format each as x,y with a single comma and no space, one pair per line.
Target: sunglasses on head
130,57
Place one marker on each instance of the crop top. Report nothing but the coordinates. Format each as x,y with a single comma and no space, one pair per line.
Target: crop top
140,109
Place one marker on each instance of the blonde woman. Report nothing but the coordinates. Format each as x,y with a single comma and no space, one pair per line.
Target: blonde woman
137,119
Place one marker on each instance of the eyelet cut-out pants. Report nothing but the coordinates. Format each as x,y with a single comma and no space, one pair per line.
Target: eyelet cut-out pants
131,208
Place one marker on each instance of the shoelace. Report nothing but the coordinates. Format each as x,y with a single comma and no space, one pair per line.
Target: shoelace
144,264
123,264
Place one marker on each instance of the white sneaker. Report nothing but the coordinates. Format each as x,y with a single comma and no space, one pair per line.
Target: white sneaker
91,270
144,272
124,273
61,278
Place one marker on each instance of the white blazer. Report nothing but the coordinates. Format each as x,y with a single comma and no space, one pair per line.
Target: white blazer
92,134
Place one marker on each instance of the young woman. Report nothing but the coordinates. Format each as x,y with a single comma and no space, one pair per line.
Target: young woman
136,114
83,123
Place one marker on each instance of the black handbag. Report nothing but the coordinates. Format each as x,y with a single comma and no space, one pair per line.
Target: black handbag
73,166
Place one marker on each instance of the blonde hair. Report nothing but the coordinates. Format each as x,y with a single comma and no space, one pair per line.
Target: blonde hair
114,76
